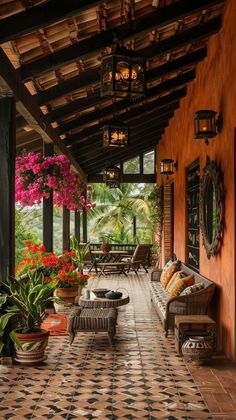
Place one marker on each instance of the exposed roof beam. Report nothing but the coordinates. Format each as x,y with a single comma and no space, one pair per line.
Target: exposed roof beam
131,178
97,166
27,106
97,147
157,90
158,18
108,113
40,16
155,121
159,71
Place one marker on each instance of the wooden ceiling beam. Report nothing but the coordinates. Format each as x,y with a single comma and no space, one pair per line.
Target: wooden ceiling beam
109,113
126,178
171,84
41,16
99,165
82,50
27,106
160,71
67,86
156,121
98,149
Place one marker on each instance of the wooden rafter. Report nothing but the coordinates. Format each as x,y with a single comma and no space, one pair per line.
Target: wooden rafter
157,90
27,106
164,69
158,18
41,16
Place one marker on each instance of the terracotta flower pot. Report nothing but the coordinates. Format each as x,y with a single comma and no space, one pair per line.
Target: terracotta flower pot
105,248
33,347
68,294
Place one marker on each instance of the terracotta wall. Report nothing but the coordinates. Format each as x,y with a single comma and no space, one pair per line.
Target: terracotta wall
214,88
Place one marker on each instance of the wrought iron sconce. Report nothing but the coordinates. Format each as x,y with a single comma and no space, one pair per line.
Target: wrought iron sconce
111,176
115,135
206,125
168,167
123,74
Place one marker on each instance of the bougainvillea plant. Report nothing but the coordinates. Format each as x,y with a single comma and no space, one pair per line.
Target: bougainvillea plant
36,176
54,267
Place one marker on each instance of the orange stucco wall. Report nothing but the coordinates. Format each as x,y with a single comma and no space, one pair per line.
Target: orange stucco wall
214,88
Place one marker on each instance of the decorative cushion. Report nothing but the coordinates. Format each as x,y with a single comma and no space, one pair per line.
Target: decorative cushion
176,276
168,272
179,285
192,289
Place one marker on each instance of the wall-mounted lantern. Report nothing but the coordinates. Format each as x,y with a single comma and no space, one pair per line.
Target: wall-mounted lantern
167,167
206,125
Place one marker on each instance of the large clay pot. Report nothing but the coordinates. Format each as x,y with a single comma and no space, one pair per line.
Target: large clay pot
33,347
197,350
68,294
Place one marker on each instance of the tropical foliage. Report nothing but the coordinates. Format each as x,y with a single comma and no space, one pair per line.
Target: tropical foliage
115,211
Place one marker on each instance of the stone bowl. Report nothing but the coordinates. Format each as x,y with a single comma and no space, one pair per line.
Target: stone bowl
100,293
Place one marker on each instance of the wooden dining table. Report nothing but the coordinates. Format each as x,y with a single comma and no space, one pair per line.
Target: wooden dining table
110,262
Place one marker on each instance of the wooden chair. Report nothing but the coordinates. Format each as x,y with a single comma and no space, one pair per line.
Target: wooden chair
139,258
90,260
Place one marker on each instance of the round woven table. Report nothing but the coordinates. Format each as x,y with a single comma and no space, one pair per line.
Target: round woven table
95,302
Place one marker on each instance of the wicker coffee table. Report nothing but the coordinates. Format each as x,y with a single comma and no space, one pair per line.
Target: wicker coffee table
94,302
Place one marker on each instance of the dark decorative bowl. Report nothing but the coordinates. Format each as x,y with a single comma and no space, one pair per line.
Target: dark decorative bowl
113,295
100,293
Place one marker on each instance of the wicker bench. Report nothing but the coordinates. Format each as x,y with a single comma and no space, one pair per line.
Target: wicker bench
95,320
194,304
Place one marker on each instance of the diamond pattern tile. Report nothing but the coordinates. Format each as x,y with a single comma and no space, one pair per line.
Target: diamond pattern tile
140,377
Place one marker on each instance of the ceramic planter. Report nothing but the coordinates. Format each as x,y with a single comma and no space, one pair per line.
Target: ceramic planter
197,350
33,347
68,294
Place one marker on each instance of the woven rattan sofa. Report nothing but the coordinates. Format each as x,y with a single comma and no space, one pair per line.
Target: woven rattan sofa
194,304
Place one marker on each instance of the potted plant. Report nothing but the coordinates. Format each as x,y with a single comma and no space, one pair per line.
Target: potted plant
105,245
24,301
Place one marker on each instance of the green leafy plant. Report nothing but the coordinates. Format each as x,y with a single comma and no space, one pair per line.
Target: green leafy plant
25,299
80,250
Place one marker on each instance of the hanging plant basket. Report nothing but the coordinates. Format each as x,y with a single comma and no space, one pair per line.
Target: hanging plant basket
37,176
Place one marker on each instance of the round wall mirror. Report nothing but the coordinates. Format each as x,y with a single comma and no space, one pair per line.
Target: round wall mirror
211,214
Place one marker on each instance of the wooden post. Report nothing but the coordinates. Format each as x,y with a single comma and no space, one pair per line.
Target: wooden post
7,200
66,229
48,209
77,225
7,186
134,228
85,227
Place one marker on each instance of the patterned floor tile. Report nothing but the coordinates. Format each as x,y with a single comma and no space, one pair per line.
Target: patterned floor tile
140,377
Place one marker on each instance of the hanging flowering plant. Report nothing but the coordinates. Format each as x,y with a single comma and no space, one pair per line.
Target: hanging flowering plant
36,176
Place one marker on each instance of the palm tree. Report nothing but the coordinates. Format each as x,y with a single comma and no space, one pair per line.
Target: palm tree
116,209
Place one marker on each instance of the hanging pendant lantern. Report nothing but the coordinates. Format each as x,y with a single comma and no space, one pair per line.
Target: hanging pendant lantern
112,176
115,134
123,74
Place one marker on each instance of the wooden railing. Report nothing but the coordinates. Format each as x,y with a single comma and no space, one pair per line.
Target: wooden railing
129,248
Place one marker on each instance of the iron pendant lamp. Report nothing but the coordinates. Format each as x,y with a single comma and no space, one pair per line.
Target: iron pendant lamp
167,166
115,135
111,176
206,125
123,74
